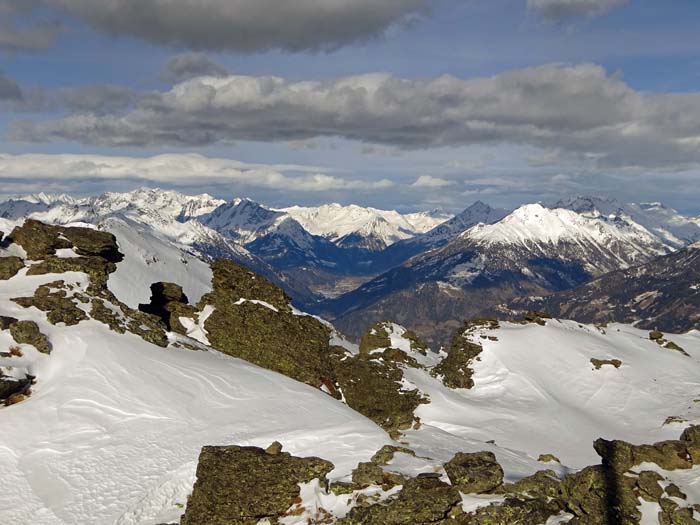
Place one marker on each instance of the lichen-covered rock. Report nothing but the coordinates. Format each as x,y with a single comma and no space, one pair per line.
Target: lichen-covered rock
9,266
97,268
648,484
368,473
422,501
514,511
534,316
455,369
53,300
375,337
621,456
474,472
385,454
599,363
691,438
27,332
371,385
541,484
41,240
243,485
599,496
372,473
253,320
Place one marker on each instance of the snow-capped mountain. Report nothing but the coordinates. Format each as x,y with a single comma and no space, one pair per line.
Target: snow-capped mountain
535,250
666,223
357,226
401,251
105,408
167,216
243,220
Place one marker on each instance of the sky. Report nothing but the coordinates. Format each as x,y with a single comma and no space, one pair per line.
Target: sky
401,104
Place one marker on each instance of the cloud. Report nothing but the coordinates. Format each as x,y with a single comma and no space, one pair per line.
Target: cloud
97,98
175,169
189,65
576,112
428,181
563,10
241,25
19,34
9,88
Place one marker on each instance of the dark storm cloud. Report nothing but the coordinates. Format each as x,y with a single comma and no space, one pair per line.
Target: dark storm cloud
244,25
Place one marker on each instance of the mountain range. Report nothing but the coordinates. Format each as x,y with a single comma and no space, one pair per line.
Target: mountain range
215,400
356,266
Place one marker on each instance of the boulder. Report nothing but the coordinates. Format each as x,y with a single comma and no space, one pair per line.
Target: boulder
27,332
9,266
253,320
474,473
455,369
243,485
423,500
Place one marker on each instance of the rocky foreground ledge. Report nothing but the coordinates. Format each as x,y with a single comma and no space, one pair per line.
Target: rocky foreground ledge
248,486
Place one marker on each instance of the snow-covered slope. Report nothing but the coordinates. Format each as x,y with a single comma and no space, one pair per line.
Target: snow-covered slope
335,222
113,429
150,259
114,424
536,390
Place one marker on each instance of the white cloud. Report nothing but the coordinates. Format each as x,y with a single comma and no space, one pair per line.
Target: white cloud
185,169
428,181
579,112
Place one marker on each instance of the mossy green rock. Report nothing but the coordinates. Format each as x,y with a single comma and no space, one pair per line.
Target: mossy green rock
276,339
41,240
9,266
512,511
243,485
374,338
541,484
474,472
27,332
369,473
371,385
648,484
600,496
97,268
621,456
422,501
456,369
58,307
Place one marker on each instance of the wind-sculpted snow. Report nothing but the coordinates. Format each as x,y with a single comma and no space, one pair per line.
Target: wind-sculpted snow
114,427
